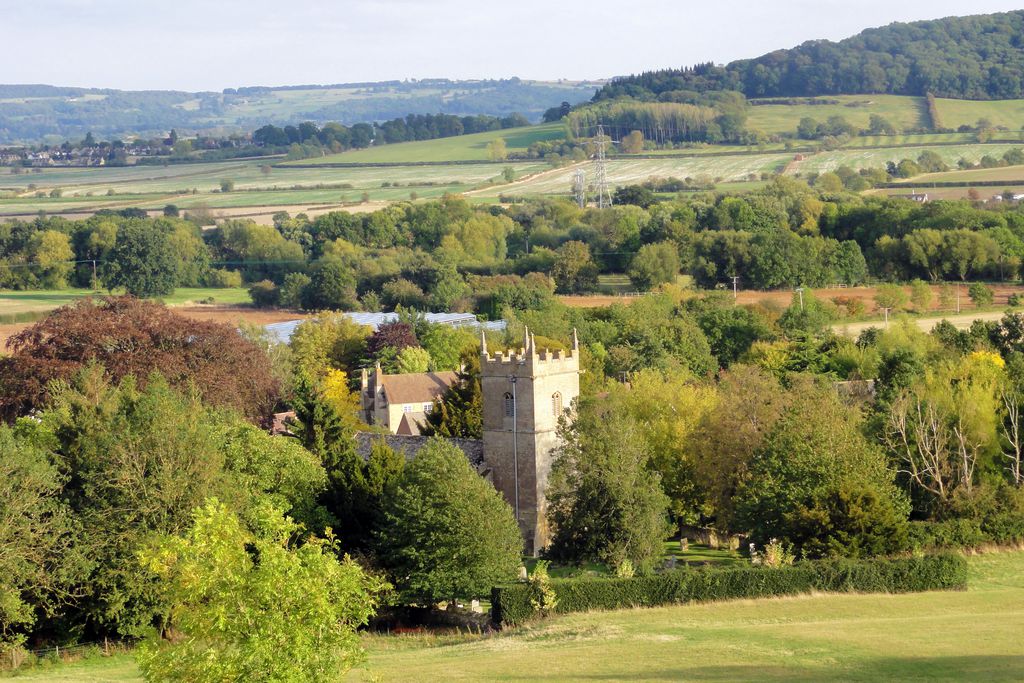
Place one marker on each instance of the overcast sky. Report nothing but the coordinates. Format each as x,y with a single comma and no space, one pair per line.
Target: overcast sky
213,44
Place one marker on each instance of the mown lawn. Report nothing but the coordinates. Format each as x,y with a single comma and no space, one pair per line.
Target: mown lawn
971,635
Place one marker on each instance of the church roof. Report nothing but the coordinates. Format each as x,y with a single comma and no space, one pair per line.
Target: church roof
417,387
409,446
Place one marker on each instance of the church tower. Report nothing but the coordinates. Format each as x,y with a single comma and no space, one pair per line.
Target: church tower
525,391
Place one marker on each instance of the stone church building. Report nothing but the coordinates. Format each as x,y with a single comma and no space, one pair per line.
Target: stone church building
525,391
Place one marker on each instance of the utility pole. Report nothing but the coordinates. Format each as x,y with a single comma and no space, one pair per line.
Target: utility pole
735,293
604,197
800,291
95,282
886,317
579,188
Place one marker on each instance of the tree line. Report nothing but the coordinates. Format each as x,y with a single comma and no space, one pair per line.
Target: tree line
143,499
450,255
740,418
337,137
976,57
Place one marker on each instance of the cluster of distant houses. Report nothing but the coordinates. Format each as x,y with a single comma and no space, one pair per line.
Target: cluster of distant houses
117,153
923,198
78,156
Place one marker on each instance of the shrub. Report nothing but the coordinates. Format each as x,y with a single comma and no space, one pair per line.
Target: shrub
264,294
853,306
513,604
999,528
980,294
223,278
890,296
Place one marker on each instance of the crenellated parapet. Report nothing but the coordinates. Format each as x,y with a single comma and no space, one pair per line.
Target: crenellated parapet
528,359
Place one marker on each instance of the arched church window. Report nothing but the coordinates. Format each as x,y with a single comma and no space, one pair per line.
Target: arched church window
556,404
510,405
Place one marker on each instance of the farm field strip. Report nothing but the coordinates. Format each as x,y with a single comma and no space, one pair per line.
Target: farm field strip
947,193
973,175
65,177
878,158
622,172
253,187
471,147
195,185
248,175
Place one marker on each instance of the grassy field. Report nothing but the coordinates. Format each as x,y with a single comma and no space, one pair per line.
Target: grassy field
626,171
192,185
902,112
972,176
45,300
945,193
972,635
739,167
315,185
877,158
461,148
1005,113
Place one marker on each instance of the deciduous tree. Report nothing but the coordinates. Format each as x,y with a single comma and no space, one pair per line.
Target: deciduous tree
605,501
127,336
447,533
249,602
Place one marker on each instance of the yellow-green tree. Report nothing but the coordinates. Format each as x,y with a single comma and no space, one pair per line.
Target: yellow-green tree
668,407
497,150
52,253
633,143
943,428
251,602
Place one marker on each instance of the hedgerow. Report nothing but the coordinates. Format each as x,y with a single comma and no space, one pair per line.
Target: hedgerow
513,604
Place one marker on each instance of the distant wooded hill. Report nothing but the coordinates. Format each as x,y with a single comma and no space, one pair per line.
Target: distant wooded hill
30,113
977,57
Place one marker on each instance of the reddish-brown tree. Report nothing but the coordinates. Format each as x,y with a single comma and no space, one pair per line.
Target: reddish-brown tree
128,336
396,335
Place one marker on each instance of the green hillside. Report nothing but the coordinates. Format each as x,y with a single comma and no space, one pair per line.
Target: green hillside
462,148
969,57
903,112
1002,113
40,112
